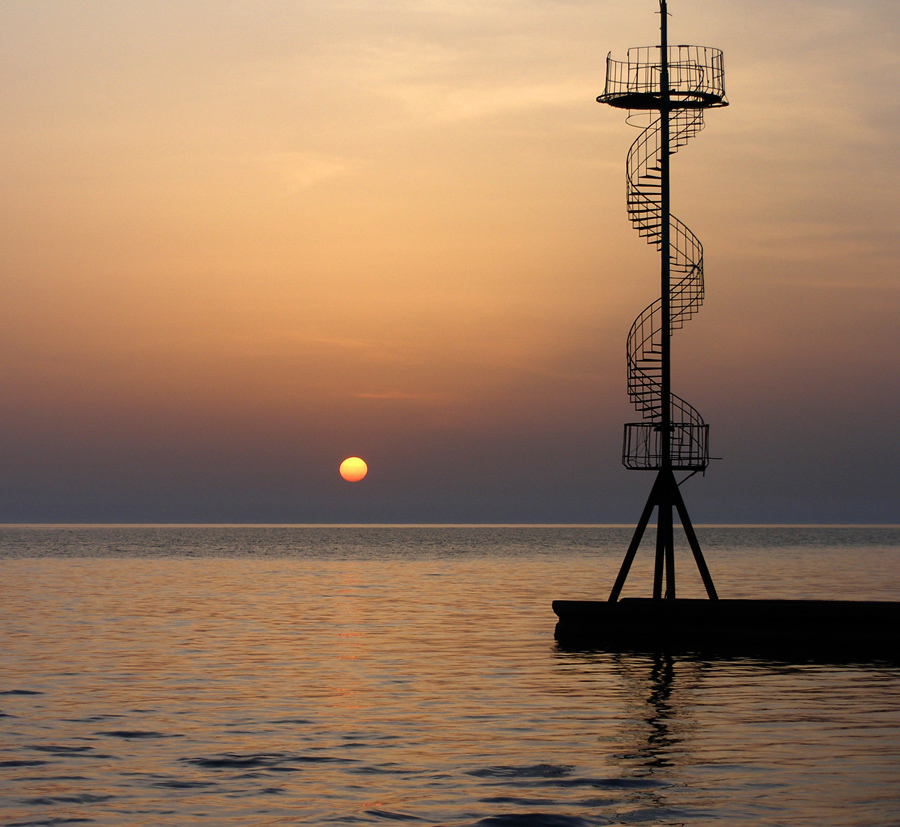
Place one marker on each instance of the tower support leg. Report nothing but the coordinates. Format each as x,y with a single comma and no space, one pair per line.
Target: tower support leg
695,545
635,543
660,565
665,497
665,541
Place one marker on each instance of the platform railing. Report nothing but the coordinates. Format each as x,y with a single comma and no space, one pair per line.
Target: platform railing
696,76
688,446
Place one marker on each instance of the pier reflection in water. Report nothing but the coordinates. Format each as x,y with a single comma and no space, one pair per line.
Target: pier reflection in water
754,741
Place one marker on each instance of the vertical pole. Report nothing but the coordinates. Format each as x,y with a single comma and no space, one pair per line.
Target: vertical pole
670,536
665,241
665,556
659,568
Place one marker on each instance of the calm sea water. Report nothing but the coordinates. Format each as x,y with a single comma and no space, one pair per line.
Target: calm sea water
376,675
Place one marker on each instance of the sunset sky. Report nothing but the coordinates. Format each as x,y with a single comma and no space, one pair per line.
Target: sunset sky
241,241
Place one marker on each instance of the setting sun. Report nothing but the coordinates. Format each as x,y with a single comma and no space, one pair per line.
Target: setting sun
353,469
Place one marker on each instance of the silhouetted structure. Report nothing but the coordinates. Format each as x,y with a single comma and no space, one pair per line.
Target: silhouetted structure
673,85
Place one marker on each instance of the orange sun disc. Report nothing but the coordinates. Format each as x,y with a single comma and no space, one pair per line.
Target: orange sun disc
353,469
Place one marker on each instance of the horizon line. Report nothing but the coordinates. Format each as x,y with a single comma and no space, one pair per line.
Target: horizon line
422,525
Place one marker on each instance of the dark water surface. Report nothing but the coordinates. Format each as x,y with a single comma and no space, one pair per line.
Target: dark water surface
377,675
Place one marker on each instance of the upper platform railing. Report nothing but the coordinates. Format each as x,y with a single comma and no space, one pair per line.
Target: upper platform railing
696,78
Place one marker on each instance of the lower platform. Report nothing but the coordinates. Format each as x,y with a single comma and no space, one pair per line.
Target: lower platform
844,629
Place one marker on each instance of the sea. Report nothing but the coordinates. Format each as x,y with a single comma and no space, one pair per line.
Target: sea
379,675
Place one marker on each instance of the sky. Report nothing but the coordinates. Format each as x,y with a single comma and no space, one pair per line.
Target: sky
240,242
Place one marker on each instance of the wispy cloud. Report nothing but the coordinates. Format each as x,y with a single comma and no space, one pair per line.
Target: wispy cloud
298,170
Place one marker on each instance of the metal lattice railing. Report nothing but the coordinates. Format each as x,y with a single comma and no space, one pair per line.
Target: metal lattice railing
696,77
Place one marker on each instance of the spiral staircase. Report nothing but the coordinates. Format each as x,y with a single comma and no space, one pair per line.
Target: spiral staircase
696,82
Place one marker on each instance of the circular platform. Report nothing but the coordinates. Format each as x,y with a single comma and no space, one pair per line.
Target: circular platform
653,100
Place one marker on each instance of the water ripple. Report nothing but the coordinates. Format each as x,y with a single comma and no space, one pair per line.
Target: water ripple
271,761
251,676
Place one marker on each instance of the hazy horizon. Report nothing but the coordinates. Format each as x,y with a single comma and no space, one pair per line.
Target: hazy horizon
437,525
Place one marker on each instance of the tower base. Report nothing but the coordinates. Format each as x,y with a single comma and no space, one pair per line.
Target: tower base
842,629
664,496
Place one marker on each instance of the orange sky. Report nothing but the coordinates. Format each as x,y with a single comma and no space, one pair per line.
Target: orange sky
240,242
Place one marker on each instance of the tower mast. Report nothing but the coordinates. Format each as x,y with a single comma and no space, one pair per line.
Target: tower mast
665,549
665,102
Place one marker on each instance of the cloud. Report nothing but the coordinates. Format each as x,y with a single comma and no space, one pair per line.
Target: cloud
298,170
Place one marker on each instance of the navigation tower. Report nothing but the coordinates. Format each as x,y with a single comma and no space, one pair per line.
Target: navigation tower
665,90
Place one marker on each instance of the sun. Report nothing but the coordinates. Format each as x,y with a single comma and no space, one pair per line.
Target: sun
353,469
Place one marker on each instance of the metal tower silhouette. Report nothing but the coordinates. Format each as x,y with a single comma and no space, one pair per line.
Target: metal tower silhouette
666,88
